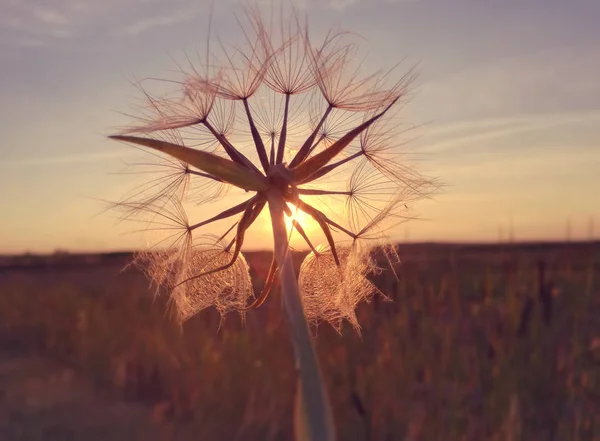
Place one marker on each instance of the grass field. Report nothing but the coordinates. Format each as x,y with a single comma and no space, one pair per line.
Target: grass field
478,342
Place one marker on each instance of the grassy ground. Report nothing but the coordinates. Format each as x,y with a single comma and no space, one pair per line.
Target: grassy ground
479,343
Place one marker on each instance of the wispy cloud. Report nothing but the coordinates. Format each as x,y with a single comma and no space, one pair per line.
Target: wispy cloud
146,24
80,158
456,136
340,5
549,79
49,16
29,23
24,23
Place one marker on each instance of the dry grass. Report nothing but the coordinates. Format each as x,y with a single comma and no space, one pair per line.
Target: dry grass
480,343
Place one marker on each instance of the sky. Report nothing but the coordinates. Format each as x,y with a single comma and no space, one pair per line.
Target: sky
507,95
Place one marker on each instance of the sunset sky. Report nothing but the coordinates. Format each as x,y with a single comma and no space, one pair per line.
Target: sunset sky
508,92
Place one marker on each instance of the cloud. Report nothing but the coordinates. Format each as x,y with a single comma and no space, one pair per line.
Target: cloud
69,159
49,16
546,80
25,23
449,137
340,5
147,24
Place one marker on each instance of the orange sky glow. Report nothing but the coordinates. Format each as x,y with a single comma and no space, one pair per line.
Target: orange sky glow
505,113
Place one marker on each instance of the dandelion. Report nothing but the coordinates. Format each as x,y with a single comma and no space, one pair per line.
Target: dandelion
294,125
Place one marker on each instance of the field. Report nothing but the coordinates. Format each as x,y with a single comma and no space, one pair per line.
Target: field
476,342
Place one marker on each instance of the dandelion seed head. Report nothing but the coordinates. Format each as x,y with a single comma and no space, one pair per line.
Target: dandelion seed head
282,113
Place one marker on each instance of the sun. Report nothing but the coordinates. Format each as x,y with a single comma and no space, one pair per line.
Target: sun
307,222
297,215
309,225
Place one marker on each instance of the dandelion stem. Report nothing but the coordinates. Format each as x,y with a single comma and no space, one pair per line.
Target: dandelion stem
317,142
225,214
320,217
324,170
306,147
302,233
318,192
203,175
251,212
272,152
234,154
224,235
303,170
283,134
258,142
269,282
322,221
313,416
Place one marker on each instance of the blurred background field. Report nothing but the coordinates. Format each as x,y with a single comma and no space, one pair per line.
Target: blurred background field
476,342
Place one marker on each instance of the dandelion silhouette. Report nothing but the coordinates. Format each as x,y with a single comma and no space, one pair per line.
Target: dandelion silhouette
291,123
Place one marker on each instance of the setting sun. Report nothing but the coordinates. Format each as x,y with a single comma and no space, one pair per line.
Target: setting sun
301,217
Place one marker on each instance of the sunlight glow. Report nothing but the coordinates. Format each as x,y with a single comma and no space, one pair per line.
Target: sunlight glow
302,218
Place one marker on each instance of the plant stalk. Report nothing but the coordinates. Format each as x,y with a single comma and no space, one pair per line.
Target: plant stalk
313,420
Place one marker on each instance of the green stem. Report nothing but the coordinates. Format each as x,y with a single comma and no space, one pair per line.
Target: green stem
312,418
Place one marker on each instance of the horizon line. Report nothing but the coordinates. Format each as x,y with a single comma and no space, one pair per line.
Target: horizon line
524,242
